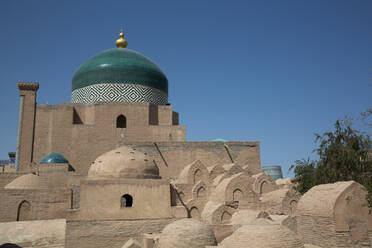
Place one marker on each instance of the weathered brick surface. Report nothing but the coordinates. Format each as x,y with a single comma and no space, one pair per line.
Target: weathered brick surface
172,157
281,201
6,178
82,132
345,240
45,203
39,234
113,234
334,215
316,230
100,199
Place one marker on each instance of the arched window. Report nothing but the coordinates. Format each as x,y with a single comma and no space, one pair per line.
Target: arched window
264,188
194,213
126,201
237,195
197,176
121,121
24,211
225,217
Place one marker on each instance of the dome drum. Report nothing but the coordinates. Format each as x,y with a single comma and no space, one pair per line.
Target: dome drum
118,92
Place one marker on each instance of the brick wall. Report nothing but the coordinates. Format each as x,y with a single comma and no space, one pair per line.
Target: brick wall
81,144
27,91
100,199
172,157
45,203
316,230
95,133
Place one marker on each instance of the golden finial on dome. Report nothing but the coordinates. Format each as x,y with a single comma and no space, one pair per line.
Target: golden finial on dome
121,42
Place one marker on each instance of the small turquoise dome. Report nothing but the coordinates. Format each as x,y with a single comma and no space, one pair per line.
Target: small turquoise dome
119,75
219,140
54,158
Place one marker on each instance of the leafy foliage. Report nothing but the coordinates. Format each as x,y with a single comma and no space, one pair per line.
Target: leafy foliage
366,117
344,154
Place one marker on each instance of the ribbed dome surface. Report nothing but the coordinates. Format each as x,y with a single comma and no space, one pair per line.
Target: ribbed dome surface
124,162
120,74
187,233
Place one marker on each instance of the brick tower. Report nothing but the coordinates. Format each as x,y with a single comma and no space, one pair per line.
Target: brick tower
26,125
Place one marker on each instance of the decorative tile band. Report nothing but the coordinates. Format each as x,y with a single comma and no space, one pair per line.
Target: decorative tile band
109,92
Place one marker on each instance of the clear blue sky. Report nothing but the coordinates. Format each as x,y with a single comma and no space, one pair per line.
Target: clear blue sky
268,71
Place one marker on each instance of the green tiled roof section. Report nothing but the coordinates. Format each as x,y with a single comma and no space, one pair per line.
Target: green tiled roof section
120,65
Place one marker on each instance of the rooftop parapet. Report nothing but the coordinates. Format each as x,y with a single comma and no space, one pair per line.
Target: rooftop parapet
34,86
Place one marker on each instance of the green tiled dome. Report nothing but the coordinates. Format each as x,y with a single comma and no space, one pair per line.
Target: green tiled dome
120,66
54,158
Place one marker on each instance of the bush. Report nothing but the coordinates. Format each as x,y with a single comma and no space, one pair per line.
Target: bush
344,154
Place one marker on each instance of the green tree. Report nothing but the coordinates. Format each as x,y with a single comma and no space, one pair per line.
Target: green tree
344,154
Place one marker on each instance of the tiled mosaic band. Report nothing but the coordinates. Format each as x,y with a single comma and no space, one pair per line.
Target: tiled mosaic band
118,93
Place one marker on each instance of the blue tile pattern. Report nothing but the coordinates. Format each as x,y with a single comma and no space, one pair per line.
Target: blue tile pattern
109,92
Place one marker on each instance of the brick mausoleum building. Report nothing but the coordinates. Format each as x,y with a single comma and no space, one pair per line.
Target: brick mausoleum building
113,168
